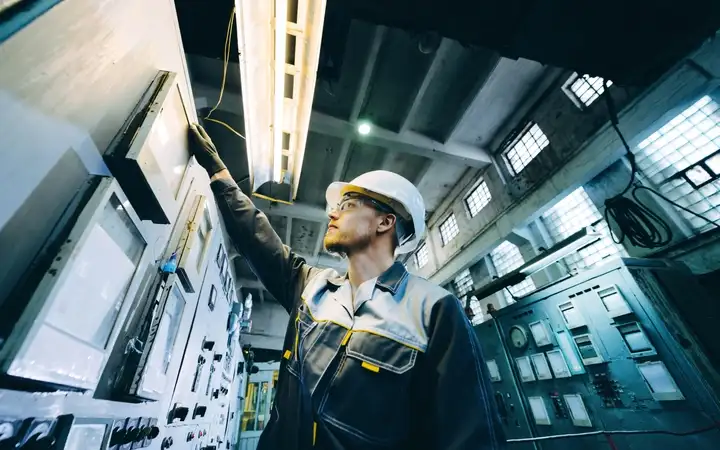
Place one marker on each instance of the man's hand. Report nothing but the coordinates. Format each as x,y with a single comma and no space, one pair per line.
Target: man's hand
204,150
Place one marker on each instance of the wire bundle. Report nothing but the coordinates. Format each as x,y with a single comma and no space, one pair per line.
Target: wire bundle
635,220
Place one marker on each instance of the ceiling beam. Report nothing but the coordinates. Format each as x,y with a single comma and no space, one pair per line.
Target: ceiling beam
359,100
408,142
435,65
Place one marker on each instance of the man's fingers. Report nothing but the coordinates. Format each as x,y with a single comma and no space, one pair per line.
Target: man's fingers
203,133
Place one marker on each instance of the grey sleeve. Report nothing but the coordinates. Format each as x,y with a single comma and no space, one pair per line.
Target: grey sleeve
283,273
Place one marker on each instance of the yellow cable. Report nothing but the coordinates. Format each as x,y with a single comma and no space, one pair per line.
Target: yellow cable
226,61
226,126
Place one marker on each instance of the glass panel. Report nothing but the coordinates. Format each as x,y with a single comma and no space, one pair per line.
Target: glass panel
506,257
98,277
526,148
524,368
449,229
572,316
660,381
586,347
539,411
161,353
541,366
493,370
263,407
85,437
635,338
249,418
576,366
558,364
478,198
463,283
588,89
540,334
422,256
578,412
613,300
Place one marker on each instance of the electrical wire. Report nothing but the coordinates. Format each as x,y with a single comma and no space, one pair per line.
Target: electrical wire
607,433
635,220
226,62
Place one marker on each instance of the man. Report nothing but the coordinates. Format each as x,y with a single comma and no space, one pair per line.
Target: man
376,359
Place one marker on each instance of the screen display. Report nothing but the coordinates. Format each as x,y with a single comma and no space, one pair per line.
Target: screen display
558,364
525,369
540,334
539,411
566,346
577,409
493,370
85,437
541,366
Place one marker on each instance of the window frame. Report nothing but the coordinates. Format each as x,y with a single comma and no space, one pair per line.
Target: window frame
423,248
470,192
515,142
440,229
567,90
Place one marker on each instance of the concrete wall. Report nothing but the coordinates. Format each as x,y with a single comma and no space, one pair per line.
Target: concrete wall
582,146
68,82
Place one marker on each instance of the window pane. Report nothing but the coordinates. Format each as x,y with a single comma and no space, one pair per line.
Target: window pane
506,257
422,256
570,215
588,89
449,229
463,283
527,148
683,141
478,198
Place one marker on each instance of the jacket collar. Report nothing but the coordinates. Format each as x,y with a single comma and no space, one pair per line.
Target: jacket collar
389,280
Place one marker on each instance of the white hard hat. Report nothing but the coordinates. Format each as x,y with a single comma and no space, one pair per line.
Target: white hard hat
391,189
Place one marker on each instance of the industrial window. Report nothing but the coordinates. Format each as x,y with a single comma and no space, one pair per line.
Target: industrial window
422,256
680,144
532,142
583,90
449,229
569,216
506,257
476,308
463,283
478,198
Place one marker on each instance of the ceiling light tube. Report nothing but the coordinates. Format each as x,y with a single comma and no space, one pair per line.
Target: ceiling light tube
279,94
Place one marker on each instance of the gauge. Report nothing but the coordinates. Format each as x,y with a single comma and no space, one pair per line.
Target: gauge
518,337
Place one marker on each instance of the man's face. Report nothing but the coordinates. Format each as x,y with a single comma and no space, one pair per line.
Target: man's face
353,226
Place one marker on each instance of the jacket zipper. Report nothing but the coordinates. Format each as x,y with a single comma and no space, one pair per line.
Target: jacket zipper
343,345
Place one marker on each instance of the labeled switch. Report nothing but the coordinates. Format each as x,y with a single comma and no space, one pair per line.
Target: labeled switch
217,357
208,345
167,442
178,412
190,436
199,411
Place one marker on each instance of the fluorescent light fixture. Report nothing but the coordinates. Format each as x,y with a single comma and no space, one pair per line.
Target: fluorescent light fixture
279,50
364,128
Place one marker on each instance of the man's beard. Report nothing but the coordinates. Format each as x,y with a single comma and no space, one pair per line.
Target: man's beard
345,247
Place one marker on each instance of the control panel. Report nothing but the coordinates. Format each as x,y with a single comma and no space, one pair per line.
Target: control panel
124,333
594,352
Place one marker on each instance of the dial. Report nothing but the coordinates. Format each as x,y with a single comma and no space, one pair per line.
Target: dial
518,337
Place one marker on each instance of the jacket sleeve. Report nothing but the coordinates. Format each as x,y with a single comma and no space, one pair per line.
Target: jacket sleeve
464,409
283,273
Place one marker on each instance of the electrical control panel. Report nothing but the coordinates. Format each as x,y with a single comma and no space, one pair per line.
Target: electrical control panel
124,333
600,352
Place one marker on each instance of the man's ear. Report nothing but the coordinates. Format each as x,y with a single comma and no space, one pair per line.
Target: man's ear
387,223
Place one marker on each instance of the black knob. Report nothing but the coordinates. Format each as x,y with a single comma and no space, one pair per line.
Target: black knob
208,345
117,437
179,412
167,442
35,442
217,357
216,393
131,435
190,436
199,411
153,432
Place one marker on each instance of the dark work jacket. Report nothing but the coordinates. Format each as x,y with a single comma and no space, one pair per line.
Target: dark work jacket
397,368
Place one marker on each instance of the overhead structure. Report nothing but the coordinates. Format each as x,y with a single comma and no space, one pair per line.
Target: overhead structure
279,49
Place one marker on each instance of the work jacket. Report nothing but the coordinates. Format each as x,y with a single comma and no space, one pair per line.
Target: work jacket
399,367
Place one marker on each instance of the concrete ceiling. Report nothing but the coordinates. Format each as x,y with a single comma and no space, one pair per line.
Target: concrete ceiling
433,114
